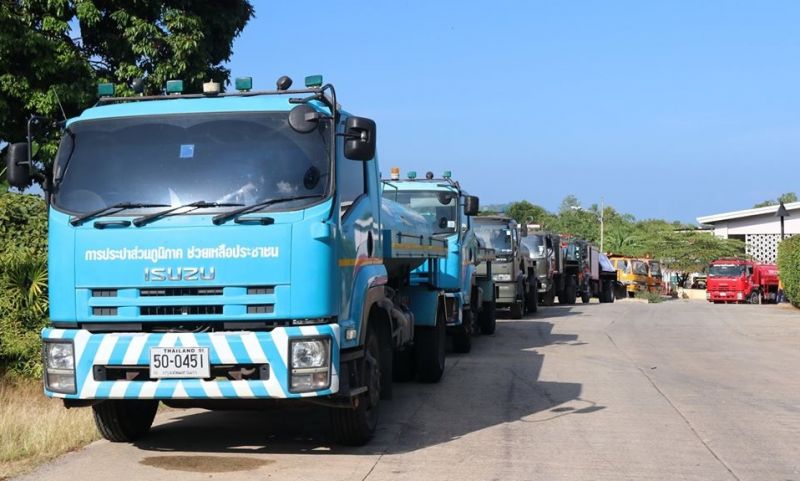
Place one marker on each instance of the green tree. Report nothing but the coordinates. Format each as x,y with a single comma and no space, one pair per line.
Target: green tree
45,65
785,198
688,252
525,212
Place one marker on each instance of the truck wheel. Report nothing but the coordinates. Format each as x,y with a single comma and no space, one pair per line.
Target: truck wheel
354,426
488,318
585,298
549,297
611,293
570,291
532,301
123,421
462,339
404,365
755,298
516,309
429,348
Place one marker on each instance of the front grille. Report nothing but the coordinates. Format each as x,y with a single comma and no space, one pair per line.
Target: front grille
104,293
180,310
230,372
104,311
180,291
260,290
261,309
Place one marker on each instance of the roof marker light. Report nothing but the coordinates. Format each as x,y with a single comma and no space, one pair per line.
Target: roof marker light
395,173
313,81
175,87
105,90
211,88
411,175
244,84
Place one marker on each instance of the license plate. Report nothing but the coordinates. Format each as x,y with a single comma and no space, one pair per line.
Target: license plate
179,362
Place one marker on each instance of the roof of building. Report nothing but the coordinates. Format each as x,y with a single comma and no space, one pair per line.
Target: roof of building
740,214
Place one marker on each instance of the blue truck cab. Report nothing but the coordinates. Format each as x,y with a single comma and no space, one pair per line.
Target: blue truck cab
449,210
216,247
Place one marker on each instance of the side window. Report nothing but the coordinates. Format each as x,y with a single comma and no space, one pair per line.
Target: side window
350,180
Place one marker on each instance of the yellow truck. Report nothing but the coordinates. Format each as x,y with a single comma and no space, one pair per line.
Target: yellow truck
632,275
654,276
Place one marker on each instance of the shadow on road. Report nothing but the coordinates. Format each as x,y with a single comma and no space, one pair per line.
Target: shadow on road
497,383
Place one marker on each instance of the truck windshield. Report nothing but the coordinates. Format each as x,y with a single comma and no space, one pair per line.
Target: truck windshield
535,243
726,270
438,207
237,157
639,267
496,236
655,268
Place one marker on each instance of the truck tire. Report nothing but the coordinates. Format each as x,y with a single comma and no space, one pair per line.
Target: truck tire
487,318
570,291
532,304
517,309
429,348
755,298
123,421
549,297
585,297
462,338
354,426
404,365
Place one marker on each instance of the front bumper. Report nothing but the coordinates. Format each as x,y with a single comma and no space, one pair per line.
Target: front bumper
506,292
228,347
725,296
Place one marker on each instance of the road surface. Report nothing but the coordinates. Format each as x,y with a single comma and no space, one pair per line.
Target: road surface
678,390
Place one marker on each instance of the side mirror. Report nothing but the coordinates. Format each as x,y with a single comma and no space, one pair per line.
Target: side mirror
18,168
359,138
471,205
523,228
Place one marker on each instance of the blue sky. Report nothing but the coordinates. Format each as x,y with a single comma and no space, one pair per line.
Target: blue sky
667,109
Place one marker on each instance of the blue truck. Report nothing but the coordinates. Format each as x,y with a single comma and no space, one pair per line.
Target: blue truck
448,209
219,250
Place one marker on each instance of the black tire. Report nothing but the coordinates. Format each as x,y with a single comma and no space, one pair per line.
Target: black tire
430,349
611,294
517,309
404,365
487,318
532,301
755,298
356,425
585,297
549,297
462,338
570,291
123,421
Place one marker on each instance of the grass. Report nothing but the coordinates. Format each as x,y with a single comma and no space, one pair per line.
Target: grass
652,297
35,429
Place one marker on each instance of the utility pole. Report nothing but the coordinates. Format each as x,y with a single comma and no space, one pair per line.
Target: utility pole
602,223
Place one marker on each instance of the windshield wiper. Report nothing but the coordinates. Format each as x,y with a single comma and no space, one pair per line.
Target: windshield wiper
220,218
201,204
119,206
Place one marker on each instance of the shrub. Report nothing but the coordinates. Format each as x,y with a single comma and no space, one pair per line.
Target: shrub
652,297
23,282
789,268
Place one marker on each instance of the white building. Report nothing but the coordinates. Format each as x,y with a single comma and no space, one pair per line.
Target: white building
758,228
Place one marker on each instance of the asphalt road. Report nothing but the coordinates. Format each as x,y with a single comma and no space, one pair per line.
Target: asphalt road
674,391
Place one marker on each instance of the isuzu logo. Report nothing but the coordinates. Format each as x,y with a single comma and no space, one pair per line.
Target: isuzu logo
160,274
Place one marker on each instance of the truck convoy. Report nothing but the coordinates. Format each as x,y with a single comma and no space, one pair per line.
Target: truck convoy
548,258
741,281
513,269
208,249
588,273
447,209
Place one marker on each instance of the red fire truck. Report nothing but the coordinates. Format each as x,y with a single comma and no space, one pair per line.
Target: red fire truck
741,281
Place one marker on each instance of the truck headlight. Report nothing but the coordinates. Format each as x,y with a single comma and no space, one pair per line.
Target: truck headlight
310,360
708,295
739,296
502,277
59,357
